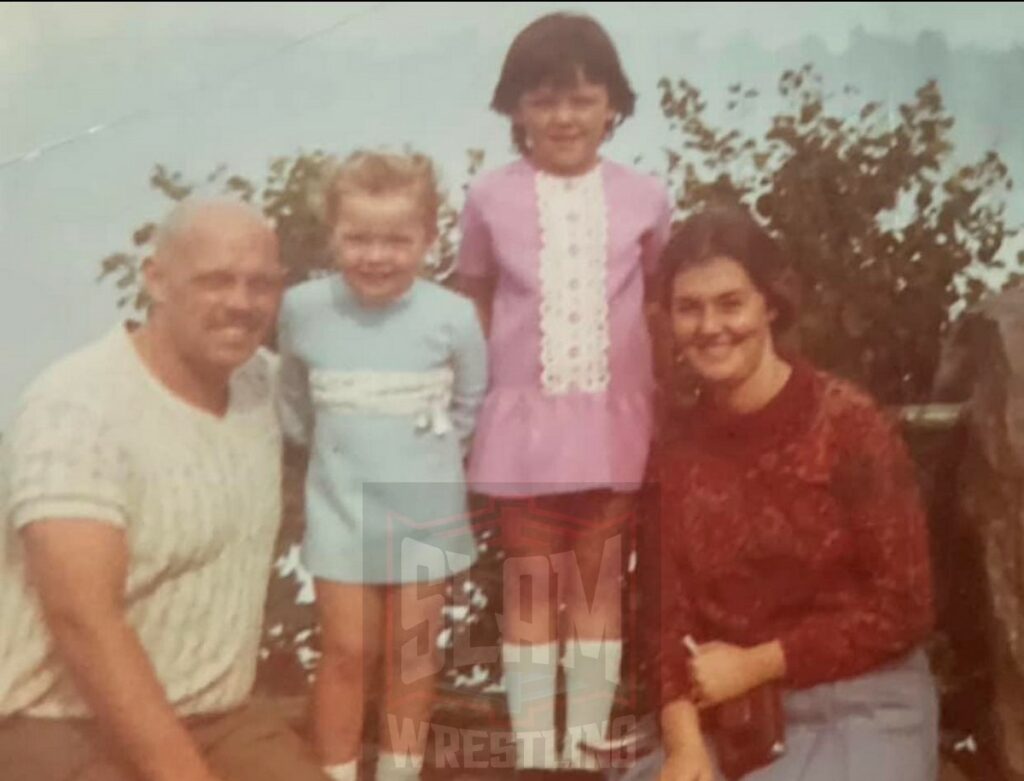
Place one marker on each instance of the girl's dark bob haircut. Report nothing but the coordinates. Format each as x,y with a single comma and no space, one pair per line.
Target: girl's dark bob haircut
557,50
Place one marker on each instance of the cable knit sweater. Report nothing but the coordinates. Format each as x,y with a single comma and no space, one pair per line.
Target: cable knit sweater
98,437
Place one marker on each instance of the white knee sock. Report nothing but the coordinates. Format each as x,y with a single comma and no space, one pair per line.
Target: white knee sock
591,680
530,672
398,767
345,771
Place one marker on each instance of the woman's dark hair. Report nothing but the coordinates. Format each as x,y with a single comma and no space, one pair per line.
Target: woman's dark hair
730,232
556,49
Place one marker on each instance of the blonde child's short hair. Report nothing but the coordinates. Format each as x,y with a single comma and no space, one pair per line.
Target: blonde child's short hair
381,173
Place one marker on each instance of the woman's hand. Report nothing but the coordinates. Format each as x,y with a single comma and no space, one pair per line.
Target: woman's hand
722,671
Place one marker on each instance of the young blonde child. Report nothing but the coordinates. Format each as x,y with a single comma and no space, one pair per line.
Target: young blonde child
383,373
556,247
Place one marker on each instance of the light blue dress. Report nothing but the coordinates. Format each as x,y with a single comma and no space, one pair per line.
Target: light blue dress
386,399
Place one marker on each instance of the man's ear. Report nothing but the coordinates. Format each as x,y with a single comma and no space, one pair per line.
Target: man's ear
154,278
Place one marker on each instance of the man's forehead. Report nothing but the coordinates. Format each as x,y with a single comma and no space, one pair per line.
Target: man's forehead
227,250
220,238
248,254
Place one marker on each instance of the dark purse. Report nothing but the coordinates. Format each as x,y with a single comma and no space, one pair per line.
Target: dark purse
748,732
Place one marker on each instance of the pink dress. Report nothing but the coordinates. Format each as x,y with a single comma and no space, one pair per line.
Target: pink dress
570,401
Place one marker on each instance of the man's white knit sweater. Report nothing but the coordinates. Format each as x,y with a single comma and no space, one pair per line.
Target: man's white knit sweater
98,437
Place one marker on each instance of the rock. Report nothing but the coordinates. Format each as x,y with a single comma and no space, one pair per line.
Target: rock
983,360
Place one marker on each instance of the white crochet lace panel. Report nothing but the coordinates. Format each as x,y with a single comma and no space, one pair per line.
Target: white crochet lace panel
574,303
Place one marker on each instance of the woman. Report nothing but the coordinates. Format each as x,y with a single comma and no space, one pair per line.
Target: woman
793,541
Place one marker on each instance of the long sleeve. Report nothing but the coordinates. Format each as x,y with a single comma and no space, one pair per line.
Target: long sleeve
469,359
892,610
655,239
294,407
476,252
671,612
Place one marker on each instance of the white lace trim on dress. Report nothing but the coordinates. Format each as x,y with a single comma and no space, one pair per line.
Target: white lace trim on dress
573,271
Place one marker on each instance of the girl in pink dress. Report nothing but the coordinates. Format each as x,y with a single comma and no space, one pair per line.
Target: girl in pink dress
555,250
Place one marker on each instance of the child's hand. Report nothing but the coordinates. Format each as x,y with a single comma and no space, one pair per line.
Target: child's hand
688,763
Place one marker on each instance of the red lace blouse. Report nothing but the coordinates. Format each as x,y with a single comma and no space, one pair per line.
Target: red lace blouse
800,522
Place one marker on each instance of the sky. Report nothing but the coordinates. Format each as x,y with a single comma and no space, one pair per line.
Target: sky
95,94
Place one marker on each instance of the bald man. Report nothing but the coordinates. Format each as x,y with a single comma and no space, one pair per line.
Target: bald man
140,497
